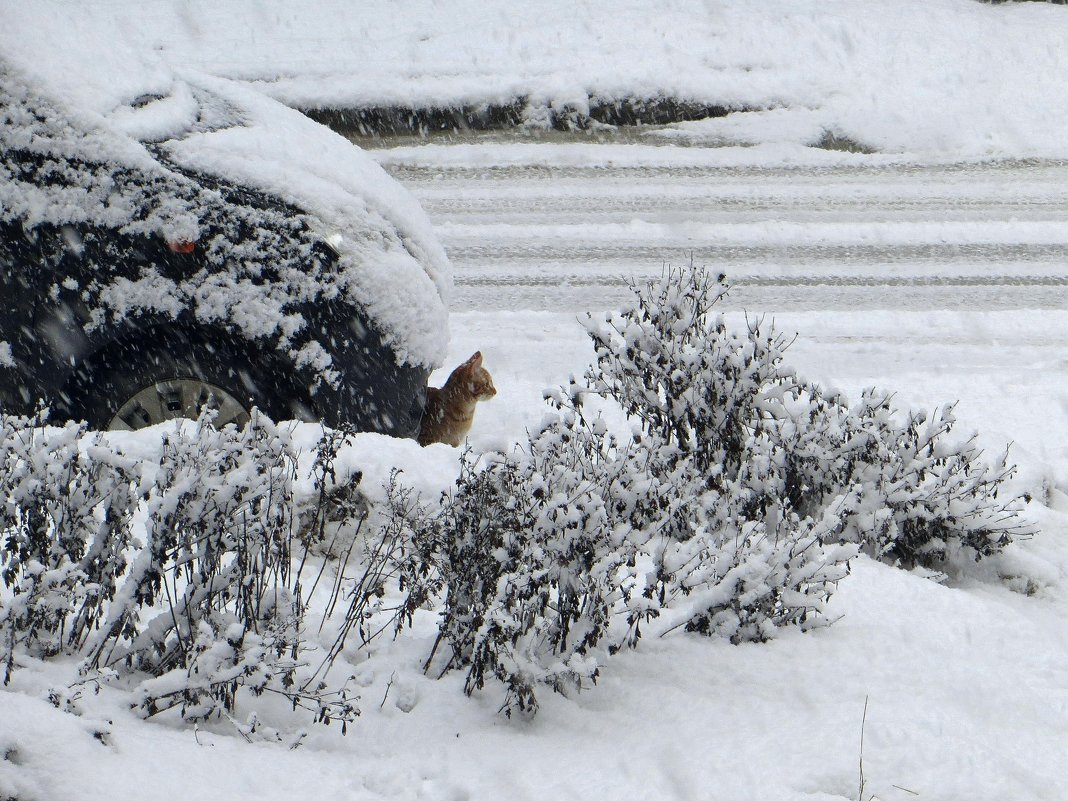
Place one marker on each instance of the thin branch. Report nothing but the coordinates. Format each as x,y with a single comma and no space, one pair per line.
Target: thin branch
863,722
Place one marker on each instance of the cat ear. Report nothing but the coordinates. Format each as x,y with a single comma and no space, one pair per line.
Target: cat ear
476,358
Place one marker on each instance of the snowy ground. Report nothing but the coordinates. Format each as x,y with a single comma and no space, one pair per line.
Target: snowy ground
965,684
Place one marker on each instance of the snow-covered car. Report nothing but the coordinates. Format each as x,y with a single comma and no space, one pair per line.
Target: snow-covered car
204,245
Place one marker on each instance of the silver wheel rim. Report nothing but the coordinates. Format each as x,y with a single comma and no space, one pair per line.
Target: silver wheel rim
178,398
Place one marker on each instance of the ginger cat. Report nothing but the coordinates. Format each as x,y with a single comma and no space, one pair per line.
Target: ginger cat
450,409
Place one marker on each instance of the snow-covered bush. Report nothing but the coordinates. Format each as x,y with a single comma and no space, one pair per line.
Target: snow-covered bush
65,511
220,522
533,565
705,499
897,483
732,553
214,600
555,556
686,379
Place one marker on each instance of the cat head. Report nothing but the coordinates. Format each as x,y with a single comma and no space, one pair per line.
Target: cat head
476,378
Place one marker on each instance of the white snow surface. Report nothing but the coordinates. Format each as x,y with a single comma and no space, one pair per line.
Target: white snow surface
900,76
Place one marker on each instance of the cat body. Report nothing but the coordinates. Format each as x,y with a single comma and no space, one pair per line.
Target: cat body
450,410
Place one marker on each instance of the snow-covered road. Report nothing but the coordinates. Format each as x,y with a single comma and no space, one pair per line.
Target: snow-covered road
543,226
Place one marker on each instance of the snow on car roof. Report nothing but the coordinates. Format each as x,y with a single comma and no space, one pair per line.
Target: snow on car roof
130,168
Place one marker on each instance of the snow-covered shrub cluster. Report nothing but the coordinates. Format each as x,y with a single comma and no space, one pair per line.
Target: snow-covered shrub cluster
220,528
556,556
532,567
733,507
896,483
213,599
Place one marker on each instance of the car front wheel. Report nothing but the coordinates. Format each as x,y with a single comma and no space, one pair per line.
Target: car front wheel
129,387
179,397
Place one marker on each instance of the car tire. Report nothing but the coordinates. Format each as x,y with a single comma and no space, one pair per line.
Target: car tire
129,386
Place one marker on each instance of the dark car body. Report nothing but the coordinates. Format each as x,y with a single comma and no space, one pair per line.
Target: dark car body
77,335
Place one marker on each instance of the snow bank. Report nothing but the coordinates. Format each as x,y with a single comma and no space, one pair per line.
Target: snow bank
916,76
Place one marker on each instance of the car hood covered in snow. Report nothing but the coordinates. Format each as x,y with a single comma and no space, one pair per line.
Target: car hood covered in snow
153,158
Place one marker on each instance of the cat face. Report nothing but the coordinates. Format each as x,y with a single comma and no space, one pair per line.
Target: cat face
477,379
